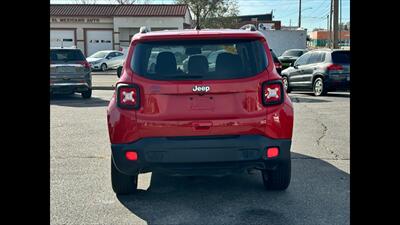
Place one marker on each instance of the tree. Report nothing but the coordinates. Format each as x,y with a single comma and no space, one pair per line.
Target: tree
213,13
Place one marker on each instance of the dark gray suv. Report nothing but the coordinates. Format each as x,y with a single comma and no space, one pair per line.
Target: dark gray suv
69,72
320,70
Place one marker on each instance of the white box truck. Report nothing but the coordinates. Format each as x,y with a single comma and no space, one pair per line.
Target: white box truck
282,40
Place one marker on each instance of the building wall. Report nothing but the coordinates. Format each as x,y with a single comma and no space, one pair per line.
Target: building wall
123,27
188,18
128,22
324,35
84,22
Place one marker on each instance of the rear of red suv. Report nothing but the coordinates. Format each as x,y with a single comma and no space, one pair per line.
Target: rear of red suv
199,119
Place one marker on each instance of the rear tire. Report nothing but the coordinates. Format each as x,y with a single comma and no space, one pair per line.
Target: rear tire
285,82
319,88
122,184
278,179
87,94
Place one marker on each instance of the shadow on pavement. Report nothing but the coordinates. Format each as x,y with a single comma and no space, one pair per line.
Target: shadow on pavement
329,94
343,95
318,194
314,99
75,100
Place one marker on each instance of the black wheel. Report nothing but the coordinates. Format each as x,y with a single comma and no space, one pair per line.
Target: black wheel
122,184
285,82
119,71
318,87
278,179
103,67
87,94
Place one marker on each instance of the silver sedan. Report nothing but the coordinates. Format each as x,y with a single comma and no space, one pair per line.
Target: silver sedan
104,60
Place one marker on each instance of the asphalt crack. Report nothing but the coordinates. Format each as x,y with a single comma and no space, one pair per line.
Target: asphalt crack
324,131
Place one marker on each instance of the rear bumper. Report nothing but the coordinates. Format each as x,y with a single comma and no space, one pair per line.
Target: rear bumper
217,155
342,84
69,87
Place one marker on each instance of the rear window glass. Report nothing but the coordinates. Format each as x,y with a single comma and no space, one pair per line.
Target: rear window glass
341,57
99,55
66,55
199,59
316,57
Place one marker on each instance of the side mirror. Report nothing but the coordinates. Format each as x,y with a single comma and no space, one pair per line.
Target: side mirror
119,71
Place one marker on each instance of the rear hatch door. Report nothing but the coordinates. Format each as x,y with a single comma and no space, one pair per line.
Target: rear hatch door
67,66
200,97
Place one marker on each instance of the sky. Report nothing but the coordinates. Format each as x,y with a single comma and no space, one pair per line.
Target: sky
313,13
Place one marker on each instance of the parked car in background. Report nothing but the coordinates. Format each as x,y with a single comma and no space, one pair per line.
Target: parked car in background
104,60
277,62
320,70
124,49
69,72
289,56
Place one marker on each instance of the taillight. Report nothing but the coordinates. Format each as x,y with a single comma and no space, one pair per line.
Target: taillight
335,67
85,64
278,65
128,96
272,92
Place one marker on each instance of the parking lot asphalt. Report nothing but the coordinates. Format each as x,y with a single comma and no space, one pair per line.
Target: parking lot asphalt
104,80
81,190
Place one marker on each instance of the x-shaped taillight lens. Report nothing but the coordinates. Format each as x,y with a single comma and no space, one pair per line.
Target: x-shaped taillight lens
128,96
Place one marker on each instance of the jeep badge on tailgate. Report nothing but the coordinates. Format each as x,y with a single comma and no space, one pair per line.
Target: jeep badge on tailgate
201,88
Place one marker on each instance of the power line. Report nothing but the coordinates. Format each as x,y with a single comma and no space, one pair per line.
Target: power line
317,8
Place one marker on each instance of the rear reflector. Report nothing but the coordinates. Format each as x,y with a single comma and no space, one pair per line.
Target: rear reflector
272,152
131,156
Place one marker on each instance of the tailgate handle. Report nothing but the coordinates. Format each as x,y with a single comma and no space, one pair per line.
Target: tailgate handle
202,125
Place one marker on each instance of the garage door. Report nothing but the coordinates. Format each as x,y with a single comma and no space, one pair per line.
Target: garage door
97,40
64,38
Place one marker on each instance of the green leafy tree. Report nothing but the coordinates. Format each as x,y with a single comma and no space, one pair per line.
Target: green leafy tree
213,13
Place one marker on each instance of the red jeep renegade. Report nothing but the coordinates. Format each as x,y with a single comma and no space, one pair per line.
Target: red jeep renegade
199,102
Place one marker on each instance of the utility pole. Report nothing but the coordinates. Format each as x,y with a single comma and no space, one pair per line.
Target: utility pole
330,25
335,23
299,13
290,23
340,24
328,30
